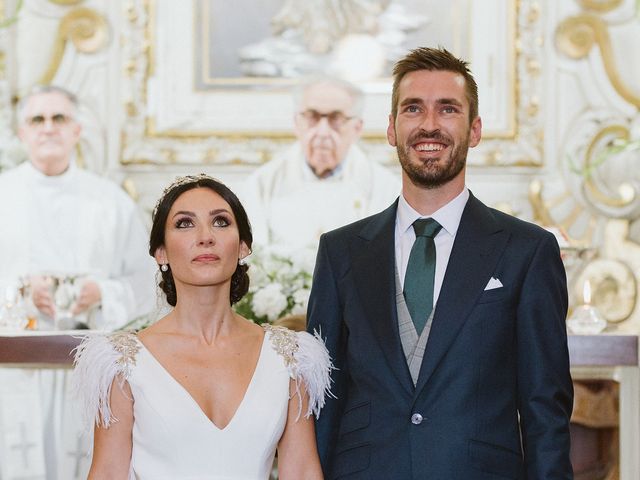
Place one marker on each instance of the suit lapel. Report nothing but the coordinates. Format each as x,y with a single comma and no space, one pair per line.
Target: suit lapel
477,247
373,270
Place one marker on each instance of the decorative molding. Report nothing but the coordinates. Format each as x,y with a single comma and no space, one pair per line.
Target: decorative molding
576,36
6,107
613,285
85,28
601,6
625,194
604,182
66,2
144,143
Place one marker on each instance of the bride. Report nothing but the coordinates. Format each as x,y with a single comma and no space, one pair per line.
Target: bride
203,393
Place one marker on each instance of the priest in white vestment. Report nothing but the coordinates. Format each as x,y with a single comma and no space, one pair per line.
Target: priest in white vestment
77,223
324,180
59,219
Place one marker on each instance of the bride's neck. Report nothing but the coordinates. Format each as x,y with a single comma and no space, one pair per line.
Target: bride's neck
204,312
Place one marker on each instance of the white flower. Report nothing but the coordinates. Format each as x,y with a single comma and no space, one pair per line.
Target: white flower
285,271
301,297
304,259
301,301
269,301
257,276
280,284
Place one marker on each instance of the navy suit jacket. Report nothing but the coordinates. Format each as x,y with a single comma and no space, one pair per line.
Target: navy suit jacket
494,392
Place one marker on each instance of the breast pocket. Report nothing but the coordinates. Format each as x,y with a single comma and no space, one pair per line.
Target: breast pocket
494,295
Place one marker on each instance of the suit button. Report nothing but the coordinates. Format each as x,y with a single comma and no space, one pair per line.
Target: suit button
416,419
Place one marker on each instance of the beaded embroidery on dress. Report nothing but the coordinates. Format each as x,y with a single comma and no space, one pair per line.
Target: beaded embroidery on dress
302,354
98,360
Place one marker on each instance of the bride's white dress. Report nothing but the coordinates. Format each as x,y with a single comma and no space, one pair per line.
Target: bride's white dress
172,437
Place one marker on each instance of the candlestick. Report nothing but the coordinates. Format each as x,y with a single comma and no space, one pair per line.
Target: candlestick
586,319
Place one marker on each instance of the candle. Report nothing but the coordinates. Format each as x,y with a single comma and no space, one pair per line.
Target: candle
586,292
586,319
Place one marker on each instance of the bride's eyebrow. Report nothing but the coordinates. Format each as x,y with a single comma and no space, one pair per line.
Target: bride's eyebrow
219,210
184,212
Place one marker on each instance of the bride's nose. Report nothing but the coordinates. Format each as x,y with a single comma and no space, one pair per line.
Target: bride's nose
206,237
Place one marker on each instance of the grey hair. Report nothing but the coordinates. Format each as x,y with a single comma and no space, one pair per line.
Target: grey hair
354,92
41,89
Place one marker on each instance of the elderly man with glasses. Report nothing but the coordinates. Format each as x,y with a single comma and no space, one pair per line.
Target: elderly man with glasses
66,220
61,221
324,180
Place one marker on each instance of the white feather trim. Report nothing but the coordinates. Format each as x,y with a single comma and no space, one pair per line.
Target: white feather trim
313,367
99,359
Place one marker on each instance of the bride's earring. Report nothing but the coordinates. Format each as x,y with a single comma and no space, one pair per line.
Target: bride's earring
242,261
164,267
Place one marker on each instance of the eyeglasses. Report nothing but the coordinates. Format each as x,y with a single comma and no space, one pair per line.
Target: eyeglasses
57,120
335,119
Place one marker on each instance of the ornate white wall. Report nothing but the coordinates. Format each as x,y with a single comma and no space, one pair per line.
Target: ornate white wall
563,88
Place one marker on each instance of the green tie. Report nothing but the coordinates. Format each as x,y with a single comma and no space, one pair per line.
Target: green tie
421,269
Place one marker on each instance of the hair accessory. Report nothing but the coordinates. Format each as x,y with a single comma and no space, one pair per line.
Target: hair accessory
182,181
164,267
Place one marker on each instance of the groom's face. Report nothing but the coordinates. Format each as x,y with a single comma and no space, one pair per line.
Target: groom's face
431,130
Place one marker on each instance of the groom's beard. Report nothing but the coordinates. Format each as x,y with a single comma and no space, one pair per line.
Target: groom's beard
433,172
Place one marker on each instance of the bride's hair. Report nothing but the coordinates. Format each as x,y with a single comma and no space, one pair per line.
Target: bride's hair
240,278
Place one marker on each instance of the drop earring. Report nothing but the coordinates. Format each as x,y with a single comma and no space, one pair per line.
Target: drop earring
164,267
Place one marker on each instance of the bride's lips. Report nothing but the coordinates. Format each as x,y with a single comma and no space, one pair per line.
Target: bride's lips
206,258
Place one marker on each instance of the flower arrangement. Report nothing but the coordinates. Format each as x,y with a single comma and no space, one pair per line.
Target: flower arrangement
280,285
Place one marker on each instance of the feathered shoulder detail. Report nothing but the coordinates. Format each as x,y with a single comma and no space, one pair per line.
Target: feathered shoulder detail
99,359
307,359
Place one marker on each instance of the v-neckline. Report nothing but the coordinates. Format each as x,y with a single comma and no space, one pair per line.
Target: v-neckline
193,400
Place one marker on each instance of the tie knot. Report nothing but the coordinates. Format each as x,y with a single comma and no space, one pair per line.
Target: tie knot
426,227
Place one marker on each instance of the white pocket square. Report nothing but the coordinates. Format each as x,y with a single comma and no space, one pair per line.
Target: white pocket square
493,284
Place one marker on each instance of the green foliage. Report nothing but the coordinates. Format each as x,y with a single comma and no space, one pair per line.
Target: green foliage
616,147
7,22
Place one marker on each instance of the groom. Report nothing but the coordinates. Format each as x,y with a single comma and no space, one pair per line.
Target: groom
445,318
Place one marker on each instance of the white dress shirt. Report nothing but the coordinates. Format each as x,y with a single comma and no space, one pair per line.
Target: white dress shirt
448,216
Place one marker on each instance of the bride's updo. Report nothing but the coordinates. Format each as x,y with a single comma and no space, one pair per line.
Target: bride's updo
240,278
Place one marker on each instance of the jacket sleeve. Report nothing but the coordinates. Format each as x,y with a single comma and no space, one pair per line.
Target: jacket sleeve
325,317
545,389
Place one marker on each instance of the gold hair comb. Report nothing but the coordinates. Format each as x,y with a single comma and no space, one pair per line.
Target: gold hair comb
184,180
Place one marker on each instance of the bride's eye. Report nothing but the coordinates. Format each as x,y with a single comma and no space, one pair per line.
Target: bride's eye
184,222
221,221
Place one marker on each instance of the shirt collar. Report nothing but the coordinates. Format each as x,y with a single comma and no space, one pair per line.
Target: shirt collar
61,179
448,215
